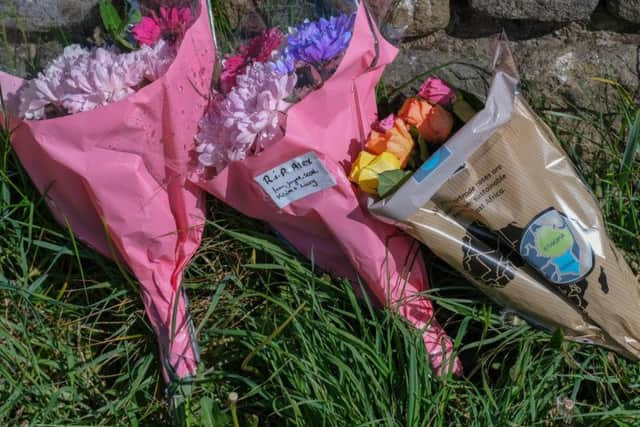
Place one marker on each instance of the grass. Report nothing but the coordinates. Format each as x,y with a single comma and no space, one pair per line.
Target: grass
296,347
604,144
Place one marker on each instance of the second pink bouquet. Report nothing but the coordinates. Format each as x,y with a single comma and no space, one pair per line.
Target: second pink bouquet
276,143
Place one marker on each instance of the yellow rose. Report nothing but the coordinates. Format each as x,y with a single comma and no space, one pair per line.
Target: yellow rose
369,175
363,160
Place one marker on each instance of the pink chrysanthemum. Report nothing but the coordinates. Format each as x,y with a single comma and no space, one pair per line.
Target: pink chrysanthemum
260,47
246,119
170,25
82,80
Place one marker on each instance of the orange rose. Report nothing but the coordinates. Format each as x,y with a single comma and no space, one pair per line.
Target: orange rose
415,111
397,140
377,142
437,126
433,122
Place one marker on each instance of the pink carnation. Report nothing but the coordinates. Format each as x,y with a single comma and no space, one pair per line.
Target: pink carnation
170,25
247,119
82,80
385,125
259,49
147,31
232,66
436,91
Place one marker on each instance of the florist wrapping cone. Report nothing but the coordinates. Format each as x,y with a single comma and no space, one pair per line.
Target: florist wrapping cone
502,203
298,185
110,174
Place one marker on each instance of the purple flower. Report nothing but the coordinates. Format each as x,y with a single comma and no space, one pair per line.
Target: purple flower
321,41
283,62
246,119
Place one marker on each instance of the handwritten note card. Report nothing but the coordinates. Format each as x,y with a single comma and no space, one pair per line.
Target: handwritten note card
295,179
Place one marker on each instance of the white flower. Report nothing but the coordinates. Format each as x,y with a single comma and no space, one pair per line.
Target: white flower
82,79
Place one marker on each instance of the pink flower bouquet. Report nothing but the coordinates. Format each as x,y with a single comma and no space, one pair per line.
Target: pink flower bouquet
102,131
277,142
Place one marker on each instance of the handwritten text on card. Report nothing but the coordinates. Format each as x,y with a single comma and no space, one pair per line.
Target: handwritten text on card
295,179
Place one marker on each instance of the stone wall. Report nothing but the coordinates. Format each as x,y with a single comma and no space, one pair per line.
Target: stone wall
427,16
559,44
34,31
42,15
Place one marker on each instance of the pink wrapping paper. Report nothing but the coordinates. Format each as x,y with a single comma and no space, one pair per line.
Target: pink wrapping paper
333,226
116,169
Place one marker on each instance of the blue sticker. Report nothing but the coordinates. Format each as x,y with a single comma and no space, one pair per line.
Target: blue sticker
556,248
432,164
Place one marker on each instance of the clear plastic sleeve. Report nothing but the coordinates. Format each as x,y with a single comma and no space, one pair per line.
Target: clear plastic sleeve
502,203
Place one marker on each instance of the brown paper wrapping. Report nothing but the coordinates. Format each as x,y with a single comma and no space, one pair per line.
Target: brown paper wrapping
518,194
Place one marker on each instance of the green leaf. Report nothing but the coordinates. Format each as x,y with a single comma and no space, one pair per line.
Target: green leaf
135,17
124,43
390,181
476,103
424,148
633,145
557,338
210,413
421,152
110,18
463,110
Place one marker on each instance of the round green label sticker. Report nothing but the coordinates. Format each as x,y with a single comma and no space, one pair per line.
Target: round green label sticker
553,242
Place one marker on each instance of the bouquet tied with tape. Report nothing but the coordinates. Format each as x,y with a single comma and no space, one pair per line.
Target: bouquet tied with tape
501,202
